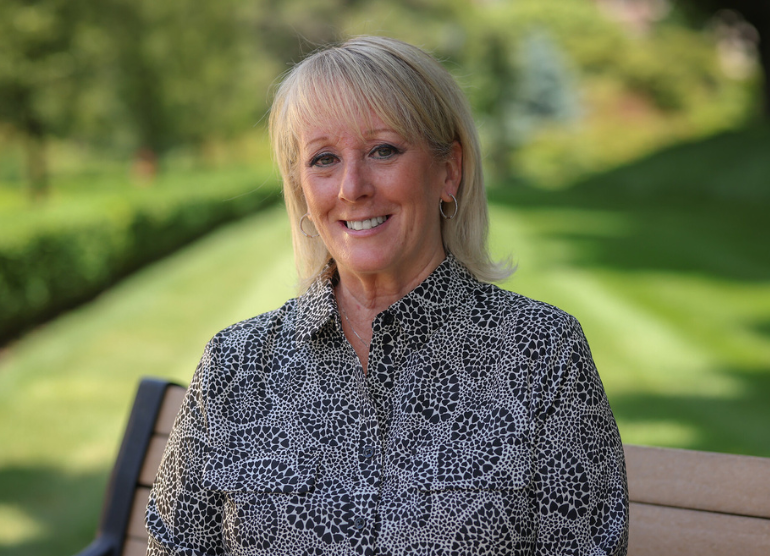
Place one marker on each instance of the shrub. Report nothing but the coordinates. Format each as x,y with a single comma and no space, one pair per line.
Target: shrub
52,262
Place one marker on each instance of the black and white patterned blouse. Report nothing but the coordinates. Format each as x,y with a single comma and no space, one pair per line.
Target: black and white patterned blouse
481,427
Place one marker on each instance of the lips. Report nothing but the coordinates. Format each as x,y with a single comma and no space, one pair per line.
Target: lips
365,224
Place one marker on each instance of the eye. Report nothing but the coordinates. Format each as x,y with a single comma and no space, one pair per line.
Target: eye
384,151
323,159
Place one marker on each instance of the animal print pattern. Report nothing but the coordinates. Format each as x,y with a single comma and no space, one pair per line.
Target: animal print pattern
481,428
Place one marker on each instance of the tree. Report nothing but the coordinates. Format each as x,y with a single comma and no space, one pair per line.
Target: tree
40,70
176,70
756,12
546,89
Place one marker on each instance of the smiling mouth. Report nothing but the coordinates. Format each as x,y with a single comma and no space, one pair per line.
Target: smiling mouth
365,224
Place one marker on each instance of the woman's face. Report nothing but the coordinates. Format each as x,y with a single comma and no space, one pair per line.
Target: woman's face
374,197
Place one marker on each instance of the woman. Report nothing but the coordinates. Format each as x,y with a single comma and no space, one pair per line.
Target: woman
402,404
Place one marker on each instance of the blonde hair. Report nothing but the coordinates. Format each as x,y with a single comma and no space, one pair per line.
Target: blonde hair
410,92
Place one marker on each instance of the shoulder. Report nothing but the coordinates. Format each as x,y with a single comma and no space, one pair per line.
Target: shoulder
234,371
259,328
242,348
516,313
542,346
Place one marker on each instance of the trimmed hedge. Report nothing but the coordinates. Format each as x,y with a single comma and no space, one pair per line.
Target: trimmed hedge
56,263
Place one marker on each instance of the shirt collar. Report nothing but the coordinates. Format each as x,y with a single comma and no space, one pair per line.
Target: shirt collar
315,307
419,313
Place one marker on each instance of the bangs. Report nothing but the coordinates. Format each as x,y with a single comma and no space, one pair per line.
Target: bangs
340,100
349,85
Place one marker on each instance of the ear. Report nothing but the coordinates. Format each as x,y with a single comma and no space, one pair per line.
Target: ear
453,166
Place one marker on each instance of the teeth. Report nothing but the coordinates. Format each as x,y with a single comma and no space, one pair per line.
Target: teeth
365,224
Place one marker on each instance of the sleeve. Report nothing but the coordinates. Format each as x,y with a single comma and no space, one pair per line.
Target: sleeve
580,475
182,517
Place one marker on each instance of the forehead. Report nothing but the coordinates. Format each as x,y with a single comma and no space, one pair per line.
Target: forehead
338,105
332,129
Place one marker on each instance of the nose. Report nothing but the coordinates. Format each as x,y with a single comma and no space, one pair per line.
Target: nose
355,183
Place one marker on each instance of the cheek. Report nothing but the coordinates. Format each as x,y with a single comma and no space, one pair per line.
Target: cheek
425,201
314,198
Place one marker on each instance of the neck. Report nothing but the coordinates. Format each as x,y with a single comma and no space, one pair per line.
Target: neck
362,297
370,294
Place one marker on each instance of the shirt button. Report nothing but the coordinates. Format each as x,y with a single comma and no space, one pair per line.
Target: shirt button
387,318
368,451
358,523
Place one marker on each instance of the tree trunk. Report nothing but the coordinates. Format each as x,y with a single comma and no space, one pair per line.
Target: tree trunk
763,26
145,167
37,169
757,12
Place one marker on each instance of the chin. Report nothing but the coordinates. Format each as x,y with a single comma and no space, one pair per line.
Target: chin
364,264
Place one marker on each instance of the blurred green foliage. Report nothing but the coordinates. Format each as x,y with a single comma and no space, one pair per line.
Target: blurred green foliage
55,257
638,92
559,88
39,75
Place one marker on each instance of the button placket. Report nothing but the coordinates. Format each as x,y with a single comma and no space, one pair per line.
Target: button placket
370,451
369,467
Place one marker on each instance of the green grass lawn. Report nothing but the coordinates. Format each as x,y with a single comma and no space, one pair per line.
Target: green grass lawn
673,293
666,263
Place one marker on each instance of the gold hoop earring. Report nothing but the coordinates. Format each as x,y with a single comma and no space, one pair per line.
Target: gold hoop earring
441,208
301,229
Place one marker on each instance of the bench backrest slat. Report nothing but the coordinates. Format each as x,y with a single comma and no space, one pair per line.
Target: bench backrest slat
133,547
152,459
708,481
135,543
171,404
664,531
136,529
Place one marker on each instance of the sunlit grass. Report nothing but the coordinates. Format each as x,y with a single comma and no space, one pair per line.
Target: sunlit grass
660,433
17,526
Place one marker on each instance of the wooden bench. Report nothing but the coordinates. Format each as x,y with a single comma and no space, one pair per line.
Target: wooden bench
682,502
121,529
685,502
